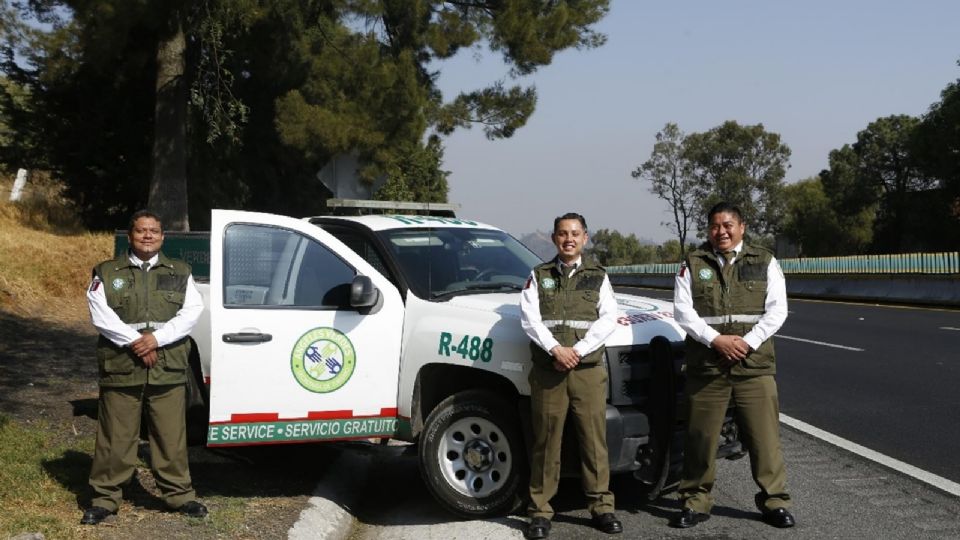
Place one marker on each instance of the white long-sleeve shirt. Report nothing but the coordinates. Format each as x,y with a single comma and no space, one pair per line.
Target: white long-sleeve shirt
532,322
108,323
774,314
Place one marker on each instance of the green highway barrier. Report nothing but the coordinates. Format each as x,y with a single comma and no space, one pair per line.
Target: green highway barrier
901,263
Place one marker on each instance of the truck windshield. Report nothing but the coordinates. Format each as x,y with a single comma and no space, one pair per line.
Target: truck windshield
444,262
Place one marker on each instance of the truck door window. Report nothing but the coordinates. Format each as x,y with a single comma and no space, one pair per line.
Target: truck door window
270,266
363,247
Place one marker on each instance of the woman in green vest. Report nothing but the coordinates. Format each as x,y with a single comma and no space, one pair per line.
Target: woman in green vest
568,310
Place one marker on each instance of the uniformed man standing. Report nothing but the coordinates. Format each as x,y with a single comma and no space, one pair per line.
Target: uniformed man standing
144,305
730,298
568,310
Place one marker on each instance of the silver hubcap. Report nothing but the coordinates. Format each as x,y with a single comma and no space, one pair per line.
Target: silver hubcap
474,457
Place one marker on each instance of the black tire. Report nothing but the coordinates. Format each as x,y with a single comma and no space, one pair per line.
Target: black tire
472,455
198,404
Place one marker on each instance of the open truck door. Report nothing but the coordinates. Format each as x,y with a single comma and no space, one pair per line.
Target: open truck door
305,342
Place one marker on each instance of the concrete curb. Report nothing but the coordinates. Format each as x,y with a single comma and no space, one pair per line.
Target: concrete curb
328,516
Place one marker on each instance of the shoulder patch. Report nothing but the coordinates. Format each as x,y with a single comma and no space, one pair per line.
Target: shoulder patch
683,269
95,284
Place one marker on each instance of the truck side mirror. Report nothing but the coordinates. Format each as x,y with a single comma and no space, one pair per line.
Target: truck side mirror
364,296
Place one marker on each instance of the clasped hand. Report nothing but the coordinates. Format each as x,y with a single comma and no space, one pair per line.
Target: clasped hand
730,349
145,347
565,358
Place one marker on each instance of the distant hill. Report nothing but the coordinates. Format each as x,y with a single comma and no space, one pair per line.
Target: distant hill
539,243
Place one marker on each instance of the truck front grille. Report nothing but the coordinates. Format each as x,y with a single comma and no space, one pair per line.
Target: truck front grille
631,372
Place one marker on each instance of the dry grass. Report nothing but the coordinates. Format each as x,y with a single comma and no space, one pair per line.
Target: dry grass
45,255
48,394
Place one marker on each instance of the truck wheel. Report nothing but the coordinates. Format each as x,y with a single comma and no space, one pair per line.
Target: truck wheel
471,455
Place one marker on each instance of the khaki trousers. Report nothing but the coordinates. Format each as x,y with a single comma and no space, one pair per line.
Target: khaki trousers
118,432
583,392
758,412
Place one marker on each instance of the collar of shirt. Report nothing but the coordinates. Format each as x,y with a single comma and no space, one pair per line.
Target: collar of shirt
575,264
736,253
137,262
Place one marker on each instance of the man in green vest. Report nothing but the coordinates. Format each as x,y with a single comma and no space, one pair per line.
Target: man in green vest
730,298
144,305
568,310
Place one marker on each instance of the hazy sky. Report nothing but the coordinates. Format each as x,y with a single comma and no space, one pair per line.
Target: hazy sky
814,71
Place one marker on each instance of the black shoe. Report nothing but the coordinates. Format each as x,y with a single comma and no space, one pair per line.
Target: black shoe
608,523
539,527
687,518
193,509
780,518
94,515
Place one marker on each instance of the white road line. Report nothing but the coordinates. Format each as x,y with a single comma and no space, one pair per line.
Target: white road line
948,328
834,345
938,482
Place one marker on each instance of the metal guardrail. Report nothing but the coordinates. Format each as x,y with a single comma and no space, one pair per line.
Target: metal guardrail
903,263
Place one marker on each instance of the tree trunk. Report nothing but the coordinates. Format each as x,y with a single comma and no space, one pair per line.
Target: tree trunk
168,187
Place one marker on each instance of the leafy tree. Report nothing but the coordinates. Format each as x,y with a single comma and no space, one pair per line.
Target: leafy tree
938,139
107,110
853,202
885,160
669,173
611,248
671,252
744,165
416,176
810,221
276,89
936,148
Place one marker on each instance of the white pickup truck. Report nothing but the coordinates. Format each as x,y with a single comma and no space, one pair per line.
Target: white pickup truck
408,327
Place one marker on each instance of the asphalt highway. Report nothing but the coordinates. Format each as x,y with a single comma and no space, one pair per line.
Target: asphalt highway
884,377
836,495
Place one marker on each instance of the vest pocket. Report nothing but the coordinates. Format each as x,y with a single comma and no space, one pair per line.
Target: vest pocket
762,358
703,288
173,358
174,297
115,363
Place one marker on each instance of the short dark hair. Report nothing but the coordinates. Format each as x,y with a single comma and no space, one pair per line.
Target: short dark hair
724,207
143,214
569,215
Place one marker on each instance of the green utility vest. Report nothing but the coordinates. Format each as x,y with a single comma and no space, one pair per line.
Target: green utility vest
721,303
568,306
146,298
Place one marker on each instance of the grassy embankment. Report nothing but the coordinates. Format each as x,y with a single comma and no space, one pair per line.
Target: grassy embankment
48,402
45,259
45,256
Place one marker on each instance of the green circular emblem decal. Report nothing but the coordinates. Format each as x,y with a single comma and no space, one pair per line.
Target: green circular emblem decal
706,273
548,283
323,360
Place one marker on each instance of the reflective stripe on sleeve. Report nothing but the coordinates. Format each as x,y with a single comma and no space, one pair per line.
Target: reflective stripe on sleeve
581,325
150,324
732,318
